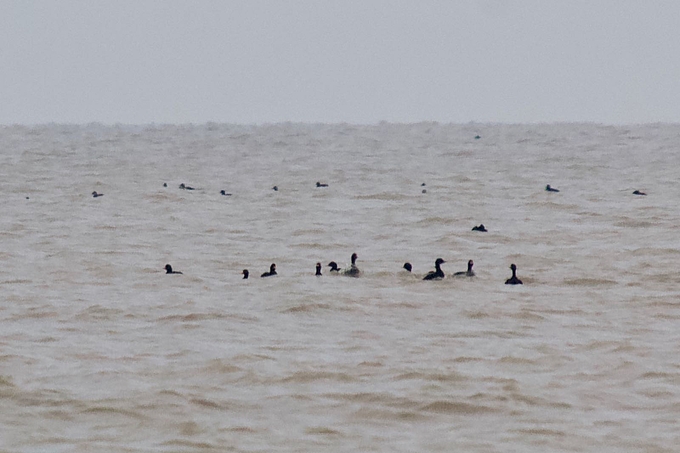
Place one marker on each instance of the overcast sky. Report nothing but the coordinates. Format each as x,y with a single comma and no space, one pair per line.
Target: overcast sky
357,61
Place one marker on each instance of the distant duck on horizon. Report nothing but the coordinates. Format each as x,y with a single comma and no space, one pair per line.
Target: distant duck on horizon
245,274
334,267
637,192
481,228
408,266
320,184
550,189
318,270
185,187
222,192
95,194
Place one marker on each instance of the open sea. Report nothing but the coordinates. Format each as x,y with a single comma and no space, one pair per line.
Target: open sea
101,351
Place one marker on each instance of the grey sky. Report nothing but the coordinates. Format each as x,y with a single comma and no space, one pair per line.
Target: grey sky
252,61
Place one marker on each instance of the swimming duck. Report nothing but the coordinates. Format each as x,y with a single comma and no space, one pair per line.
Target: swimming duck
334,266
408,267
272,271
318,270
353,270
245,274
513,280
481,228
550,189
436,274
468,273
168,270
95,194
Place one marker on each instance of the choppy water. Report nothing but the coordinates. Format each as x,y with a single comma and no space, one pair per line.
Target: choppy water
100,351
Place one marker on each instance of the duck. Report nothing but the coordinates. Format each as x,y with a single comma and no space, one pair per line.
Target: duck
408,266
637,192
320,184
95,194
353,270
468,273
168,270
318,270
513,280
275,188
245,274
550,189
222,192
334,267
185,187
436,274
272,271
481,228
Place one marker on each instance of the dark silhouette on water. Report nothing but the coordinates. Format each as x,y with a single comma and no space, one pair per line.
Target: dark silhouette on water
222,192
550,189
353,270
245,274
334,266
408,267
275,188
637,192
438,273
185,187
318,269
468,273
168,270
272,271
513,280
481,228
318,184
165,184
95,194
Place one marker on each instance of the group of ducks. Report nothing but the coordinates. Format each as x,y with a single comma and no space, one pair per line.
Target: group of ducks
353,271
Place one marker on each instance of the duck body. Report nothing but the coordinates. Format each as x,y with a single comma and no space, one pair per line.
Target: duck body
550,189
438,273
468,273
168,270
272,271
513,280
353,270
481,228
318,270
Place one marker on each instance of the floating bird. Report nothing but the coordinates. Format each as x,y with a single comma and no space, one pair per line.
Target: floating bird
245,274
334,266
438,273
168,270
95,194
637,192
513,280
185,187
353,270
318,184
468,273
481,228
408,266
272,271
318,270
550,189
